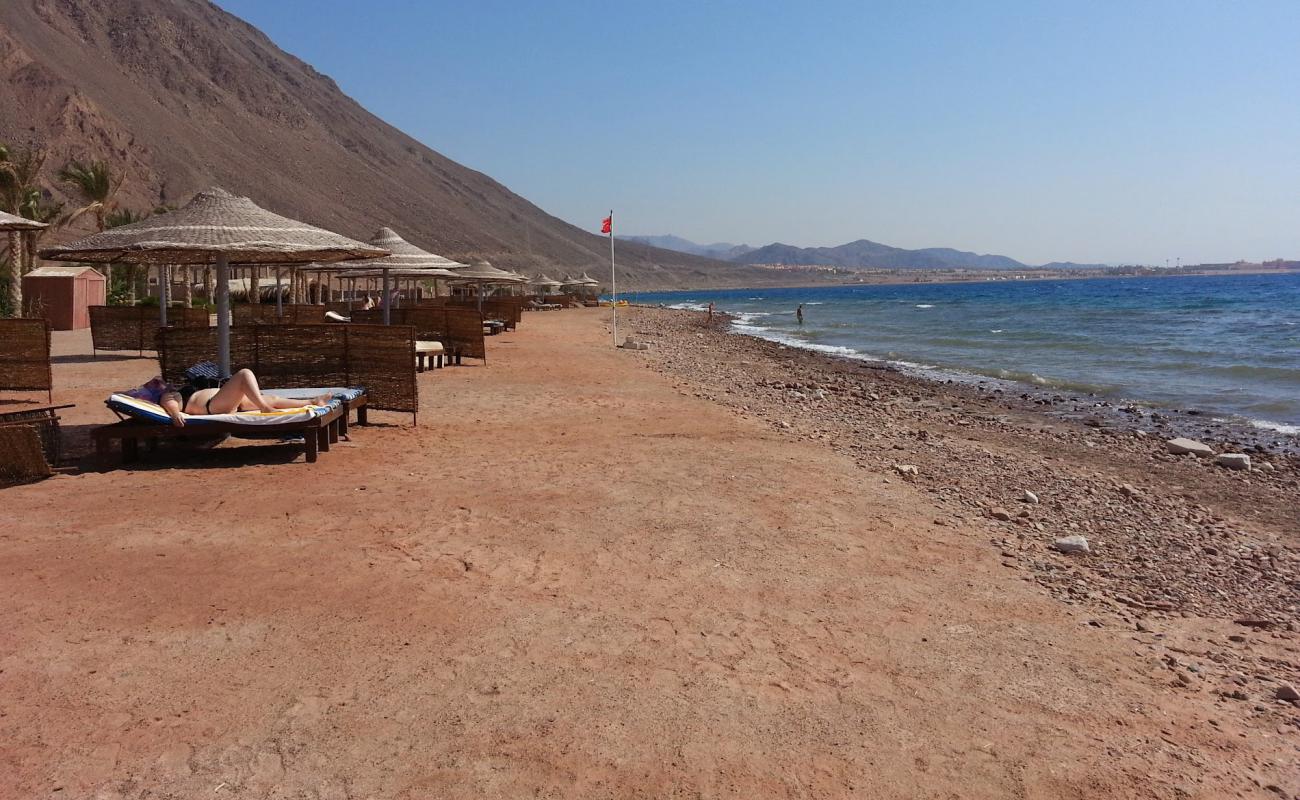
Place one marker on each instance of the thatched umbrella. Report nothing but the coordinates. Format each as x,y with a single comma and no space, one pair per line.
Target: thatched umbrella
18,227
544,283
405,257
483,274
218,228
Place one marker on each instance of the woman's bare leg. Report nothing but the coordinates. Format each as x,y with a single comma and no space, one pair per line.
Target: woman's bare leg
278,402
240,393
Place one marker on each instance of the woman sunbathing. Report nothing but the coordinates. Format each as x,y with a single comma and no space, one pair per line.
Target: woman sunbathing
240,393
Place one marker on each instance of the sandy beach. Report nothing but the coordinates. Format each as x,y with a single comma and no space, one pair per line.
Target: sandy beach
694,571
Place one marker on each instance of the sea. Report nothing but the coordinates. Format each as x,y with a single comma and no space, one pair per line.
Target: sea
1223,346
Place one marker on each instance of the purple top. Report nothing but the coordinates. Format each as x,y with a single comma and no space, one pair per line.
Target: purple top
153,391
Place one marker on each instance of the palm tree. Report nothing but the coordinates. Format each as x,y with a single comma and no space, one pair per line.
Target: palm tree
20,170
119,216
12,282
96,186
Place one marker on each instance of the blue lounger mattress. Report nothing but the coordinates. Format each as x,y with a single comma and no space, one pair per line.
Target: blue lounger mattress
149,412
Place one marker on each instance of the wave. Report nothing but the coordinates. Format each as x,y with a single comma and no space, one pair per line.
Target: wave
1263,424
925,305
689,306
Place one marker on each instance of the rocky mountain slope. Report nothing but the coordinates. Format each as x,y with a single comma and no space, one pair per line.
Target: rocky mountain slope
724,250
180,95
866,253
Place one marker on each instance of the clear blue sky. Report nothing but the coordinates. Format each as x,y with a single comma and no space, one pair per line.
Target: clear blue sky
1086,131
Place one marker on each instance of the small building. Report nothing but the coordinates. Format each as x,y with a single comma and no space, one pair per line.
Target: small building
64,295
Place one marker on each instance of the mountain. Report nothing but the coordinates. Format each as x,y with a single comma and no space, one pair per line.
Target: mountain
723,250
866,253
180,95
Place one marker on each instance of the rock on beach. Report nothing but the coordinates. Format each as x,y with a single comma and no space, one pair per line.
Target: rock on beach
1181,446
1233,461
1071,544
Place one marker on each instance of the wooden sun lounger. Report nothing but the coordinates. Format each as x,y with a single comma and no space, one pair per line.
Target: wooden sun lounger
318,433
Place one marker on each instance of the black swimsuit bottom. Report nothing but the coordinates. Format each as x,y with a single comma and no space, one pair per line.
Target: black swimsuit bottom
187,392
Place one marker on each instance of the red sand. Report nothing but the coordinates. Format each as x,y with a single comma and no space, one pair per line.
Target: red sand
569,581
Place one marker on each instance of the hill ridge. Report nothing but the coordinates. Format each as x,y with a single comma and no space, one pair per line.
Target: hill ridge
183,95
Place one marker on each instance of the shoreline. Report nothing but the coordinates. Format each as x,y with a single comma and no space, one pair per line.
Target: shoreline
1174,542
1228,431
848,403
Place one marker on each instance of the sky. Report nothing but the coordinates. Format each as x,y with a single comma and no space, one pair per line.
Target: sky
1112,132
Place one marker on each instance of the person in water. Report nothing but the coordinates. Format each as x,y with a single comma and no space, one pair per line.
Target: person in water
798,313
240,393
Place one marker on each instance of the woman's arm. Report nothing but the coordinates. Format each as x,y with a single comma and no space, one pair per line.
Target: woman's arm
171,403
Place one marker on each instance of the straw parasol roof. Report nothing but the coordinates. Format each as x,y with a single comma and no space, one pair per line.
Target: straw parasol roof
215,224
10,222
404,255
215,227
542,280
483,272
407,272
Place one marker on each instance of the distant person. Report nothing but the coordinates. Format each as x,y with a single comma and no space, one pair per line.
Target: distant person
798,313
710,313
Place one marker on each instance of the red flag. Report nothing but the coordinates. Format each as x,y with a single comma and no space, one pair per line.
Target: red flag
608,225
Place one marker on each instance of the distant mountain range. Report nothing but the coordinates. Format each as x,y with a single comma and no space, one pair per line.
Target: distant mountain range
862,254
724,251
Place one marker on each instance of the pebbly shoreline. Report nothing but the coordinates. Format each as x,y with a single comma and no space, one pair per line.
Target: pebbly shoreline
1169,537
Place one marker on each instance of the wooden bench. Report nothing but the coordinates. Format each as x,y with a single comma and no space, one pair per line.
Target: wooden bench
431,353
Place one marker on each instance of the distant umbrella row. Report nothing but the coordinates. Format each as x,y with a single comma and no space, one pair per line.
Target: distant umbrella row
217,228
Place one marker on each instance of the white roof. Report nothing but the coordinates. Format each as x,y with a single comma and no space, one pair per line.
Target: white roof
61,272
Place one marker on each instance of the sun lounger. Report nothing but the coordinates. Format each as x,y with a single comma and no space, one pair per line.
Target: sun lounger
331,316
318,425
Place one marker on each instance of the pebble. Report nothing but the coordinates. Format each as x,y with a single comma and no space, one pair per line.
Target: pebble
1000,513
907,470
1030,497
1288,693
1071,544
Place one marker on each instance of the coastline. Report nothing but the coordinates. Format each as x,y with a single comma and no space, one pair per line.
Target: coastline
1098,406
979,449
894,277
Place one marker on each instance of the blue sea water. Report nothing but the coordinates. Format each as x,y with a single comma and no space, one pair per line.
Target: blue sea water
1223,345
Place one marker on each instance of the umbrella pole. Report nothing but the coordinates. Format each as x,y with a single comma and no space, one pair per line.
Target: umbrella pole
223,314
279,301
164,279
385,298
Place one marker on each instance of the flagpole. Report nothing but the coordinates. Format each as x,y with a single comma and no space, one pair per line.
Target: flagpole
613,278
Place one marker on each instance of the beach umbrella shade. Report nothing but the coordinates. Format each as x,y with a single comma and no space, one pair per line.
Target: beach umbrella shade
403,256
217,228
11,223
484,274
